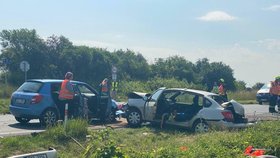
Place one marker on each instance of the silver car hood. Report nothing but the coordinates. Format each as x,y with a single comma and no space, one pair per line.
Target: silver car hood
136,95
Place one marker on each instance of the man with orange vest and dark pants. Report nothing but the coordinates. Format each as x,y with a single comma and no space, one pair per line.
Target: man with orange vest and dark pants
105,99
66,94
104,87
274,92
222,90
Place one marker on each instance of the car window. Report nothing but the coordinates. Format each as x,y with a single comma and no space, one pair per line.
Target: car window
218,99
55,87
185,98
207,103
190,99
32,87
84,89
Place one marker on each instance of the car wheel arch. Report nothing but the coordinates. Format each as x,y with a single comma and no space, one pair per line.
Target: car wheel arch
202,123
55,110
134,109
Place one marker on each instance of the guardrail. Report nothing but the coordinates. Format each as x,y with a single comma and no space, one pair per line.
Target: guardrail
51,153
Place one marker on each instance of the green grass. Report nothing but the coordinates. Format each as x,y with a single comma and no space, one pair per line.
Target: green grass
244,97
4,106
145,142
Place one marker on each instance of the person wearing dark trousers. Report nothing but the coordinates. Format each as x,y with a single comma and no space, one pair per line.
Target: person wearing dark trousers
105,99
223,90
274,94
66,94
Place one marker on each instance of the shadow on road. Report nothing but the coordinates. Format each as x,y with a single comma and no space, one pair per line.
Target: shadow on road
28,126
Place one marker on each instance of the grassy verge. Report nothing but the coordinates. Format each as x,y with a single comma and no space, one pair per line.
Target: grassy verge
244,97
145,142
4,106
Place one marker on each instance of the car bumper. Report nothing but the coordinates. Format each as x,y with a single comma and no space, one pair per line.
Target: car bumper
25,112
263,98
230,125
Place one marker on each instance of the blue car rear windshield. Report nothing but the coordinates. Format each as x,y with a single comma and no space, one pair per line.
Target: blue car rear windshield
32,87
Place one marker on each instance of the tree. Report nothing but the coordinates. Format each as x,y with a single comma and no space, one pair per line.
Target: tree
257,86
208,73
240,85
23,44
131,65
55,48
173,67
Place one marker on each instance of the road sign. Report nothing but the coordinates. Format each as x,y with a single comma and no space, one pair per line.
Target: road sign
24,66
114,69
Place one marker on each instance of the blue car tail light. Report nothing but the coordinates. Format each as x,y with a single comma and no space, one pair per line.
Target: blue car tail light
36,99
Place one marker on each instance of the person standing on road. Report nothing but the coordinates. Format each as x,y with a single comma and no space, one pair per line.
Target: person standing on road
105,96
274,93
278,101
104,87
66,93
222,90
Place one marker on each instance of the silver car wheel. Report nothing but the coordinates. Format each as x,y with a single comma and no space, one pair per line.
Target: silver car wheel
134,118
49,117
201,127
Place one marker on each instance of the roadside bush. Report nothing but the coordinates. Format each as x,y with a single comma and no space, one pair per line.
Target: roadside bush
75,128
4,106
6,91
103,145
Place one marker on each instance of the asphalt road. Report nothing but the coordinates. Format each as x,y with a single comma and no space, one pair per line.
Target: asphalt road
10,127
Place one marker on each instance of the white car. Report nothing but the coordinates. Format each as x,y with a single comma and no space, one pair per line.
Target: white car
263,94
194,109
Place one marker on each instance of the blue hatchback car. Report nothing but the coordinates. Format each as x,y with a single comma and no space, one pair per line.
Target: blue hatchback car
38,99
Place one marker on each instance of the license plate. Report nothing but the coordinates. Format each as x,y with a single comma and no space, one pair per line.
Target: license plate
20,101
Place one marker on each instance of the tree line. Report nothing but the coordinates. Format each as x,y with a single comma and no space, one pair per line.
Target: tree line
52,57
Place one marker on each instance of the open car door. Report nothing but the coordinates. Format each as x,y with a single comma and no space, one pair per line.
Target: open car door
151,105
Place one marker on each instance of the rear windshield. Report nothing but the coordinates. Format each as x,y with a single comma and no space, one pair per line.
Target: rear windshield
32,87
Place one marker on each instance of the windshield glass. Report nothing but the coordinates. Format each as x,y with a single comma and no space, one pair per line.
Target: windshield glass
32,87
266,86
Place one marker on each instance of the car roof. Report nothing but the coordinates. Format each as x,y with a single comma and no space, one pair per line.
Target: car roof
53,81
205,93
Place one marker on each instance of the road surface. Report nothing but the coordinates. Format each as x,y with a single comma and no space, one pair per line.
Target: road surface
10,127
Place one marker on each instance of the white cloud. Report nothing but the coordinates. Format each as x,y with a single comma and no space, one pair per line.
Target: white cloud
217,16
273,8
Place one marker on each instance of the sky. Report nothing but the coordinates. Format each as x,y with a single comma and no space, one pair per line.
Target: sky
244,34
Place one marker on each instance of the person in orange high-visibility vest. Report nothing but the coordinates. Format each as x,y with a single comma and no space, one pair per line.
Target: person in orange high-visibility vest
104,87
222,90
274,92
66,93
278,101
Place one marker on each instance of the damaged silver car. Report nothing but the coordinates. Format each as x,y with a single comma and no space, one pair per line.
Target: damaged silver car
194,109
